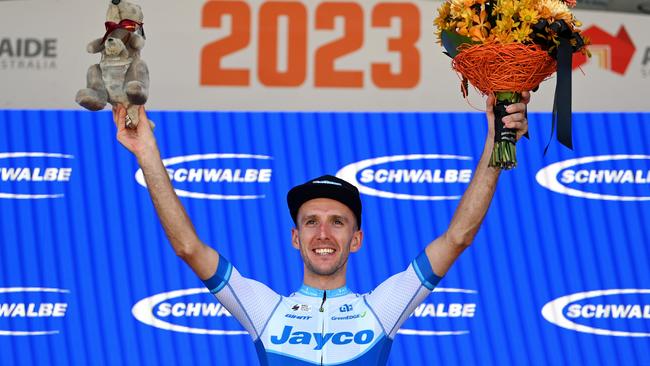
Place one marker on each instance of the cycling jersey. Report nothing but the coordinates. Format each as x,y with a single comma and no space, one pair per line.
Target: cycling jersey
316,327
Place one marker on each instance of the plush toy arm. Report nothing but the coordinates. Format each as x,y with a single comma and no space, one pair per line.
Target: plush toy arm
136,41
95,46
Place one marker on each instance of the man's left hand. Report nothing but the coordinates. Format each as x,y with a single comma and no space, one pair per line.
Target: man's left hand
516,118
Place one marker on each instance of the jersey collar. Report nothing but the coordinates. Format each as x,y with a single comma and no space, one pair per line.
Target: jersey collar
314,292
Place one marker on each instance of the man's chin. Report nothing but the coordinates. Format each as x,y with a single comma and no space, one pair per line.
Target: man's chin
323,270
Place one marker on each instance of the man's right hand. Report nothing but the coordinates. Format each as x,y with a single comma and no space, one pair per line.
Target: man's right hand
140,140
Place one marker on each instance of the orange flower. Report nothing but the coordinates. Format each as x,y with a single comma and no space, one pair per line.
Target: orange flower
480,30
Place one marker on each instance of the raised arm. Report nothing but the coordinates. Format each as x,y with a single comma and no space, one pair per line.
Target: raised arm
179,228
473,206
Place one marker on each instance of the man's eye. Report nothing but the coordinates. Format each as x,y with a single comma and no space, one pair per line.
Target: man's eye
338,222
310,222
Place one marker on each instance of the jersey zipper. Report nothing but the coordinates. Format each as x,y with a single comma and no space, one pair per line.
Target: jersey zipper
322,331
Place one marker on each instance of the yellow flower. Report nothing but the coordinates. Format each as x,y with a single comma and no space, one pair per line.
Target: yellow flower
443,20
444,11
504,8
528,16
506,24
522,34
504,37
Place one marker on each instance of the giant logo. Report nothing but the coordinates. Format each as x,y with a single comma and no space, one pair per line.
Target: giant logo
187,311
420,177
217,176
613,52
33,175
616,312
605,177
453,304
35,308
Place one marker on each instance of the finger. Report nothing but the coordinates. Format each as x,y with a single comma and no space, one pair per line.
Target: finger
525,97
514,117
520,126
143,120
115,116
489,104
516,108
121,116
517,125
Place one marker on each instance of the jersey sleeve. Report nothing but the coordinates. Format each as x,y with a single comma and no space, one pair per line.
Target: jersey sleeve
394,300
251,302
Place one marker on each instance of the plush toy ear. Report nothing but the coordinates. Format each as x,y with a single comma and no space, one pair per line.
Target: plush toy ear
95,46
113,14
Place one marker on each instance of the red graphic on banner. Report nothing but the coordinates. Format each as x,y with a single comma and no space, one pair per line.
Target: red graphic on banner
613,52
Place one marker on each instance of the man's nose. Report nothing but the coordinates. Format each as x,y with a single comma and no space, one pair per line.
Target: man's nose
323,231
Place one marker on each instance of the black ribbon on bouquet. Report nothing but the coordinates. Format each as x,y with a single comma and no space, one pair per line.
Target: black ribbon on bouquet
569,42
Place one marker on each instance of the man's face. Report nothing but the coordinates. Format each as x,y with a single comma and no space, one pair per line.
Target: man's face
326,234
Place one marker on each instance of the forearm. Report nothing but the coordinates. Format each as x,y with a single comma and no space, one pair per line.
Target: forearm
467,219
473,207
177,225
475,201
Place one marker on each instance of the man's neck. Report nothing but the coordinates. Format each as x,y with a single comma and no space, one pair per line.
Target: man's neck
334,281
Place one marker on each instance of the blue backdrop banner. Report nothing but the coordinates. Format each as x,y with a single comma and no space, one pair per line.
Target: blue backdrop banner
558,274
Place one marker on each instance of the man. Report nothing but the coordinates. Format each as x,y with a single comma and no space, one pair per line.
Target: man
324,322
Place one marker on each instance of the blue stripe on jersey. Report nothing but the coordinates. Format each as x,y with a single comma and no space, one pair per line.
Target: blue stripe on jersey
376,355
315,292
261,352
422,267
221,277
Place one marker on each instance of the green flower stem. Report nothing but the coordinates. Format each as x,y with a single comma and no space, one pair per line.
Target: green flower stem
510,97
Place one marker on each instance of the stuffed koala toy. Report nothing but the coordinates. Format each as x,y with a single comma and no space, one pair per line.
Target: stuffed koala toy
121,77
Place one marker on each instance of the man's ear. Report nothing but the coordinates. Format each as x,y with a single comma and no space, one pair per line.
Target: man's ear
357,241
295,239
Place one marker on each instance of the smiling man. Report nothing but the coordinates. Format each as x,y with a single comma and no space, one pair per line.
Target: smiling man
323,323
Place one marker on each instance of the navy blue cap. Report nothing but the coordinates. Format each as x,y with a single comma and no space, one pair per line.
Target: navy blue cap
327,186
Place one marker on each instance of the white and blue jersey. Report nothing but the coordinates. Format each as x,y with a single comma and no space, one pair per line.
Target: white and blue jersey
316,327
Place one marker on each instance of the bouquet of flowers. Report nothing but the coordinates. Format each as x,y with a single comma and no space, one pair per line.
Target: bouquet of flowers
505,47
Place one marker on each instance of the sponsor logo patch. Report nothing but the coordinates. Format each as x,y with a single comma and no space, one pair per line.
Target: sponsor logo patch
319,340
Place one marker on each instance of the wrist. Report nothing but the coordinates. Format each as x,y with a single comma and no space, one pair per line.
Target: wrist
148,153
